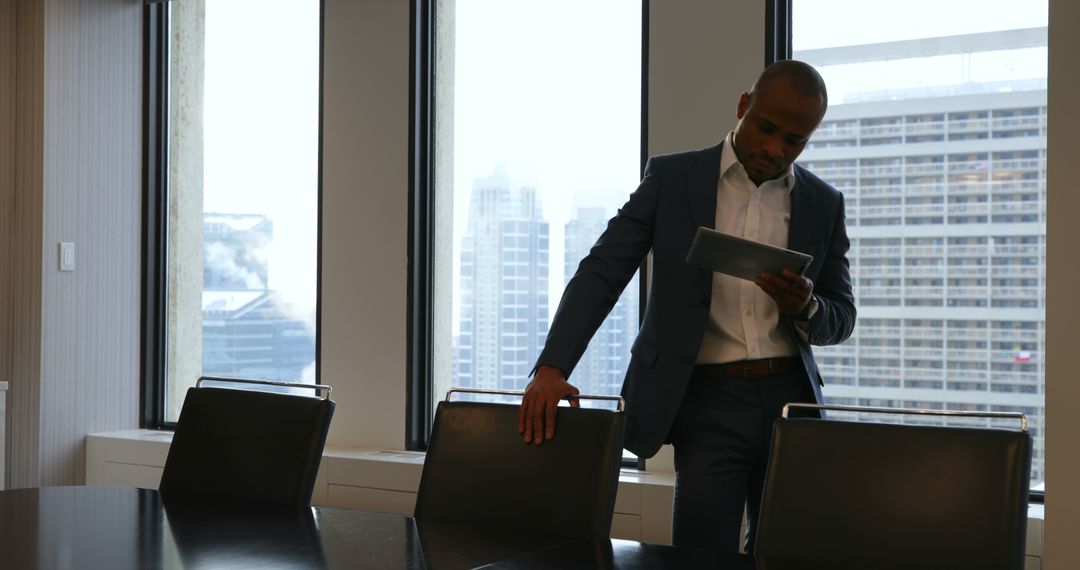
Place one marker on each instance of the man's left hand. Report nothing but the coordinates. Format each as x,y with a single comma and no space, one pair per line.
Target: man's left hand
790,290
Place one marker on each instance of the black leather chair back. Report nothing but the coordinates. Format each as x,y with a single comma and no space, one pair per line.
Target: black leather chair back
842,494
479,472
247,446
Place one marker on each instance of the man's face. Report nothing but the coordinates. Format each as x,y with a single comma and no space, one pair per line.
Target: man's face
773,128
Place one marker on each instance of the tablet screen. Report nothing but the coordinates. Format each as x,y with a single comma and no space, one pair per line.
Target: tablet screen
742,258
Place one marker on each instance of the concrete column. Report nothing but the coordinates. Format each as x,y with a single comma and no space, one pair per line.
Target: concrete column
185,236
443,238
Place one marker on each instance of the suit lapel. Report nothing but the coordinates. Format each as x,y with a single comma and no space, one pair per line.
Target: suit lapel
701,185
802,213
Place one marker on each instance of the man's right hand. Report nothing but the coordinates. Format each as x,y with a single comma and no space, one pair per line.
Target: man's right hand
536,416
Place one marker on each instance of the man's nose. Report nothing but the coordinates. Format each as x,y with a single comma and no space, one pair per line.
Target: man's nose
774,146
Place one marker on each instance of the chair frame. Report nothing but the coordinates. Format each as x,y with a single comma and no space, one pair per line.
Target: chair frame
910,411
232,380
617,399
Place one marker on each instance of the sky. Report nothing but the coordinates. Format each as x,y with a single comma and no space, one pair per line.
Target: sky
832,23
260,120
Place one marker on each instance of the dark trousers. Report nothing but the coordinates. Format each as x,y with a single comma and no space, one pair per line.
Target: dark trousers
721,437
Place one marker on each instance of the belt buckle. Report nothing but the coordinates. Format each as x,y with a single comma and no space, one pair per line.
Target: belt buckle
745,370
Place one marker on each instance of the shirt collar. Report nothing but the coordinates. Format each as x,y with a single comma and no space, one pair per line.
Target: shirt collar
729,161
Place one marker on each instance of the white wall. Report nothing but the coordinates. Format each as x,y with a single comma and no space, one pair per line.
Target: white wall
74,360
365,218
25,276
702,56
7,192
1061,549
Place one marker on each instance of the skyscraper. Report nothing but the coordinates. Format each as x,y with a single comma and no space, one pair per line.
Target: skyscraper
504,273
603,366
945,188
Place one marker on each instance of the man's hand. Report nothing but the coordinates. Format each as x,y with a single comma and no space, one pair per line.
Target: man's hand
790,290
536,416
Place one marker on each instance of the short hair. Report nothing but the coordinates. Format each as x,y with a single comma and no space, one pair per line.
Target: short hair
804,78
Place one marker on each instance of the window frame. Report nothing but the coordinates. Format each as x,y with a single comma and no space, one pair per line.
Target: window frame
420,366
155,214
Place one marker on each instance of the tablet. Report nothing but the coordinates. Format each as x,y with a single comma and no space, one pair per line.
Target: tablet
742,258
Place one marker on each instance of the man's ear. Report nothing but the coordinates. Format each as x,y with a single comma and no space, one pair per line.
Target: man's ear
744,105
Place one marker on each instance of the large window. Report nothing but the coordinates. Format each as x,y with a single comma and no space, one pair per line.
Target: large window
537,143
234,232
936,134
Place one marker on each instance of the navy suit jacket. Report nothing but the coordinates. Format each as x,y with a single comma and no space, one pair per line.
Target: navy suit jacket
676,196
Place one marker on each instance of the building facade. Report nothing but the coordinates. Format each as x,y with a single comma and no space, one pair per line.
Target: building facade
946,201
603,366
504,273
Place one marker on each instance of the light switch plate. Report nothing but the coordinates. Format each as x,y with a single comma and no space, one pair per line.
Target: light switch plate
67,256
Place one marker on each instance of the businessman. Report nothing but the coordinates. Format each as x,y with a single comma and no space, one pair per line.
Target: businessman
716,356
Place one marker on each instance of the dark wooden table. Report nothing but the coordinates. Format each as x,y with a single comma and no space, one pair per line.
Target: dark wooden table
120,528
622,555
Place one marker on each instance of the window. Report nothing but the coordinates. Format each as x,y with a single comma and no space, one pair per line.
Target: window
962,120
233,195
536,142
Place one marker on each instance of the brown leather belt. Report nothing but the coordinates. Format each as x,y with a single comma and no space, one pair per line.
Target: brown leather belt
748,369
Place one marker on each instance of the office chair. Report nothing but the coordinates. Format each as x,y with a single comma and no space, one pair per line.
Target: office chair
247,446
846,495
479,472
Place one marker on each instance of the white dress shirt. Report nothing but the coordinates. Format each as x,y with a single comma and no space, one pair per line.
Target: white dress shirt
744,321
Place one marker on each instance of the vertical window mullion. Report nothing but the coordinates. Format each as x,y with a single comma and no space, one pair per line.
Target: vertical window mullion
419,397
155,181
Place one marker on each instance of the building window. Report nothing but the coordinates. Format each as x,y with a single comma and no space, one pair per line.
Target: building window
235,231
958,123
536,144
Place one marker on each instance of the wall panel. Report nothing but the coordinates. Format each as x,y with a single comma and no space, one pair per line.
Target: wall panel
7,201
1062,274
78,179
702,56
25,277
365,198
91,196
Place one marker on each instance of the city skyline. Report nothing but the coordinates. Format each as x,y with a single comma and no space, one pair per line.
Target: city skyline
946,200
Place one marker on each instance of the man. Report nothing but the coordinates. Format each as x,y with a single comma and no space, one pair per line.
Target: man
716,357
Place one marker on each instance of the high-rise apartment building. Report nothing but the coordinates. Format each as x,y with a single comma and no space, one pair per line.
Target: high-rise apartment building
945,189
504,273
603,366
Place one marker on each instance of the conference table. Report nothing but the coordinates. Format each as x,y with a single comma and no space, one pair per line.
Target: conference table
120,528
